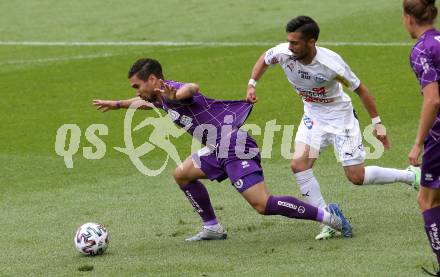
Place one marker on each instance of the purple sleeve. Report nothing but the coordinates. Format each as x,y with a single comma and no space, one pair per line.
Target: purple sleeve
428,72
174,84
425,60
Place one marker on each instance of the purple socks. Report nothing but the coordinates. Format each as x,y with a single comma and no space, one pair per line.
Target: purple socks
291,207
432,228
199,198
276,205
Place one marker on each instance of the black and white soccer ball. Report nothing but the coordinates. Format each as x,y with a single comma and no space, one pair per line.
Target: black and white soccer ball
91,239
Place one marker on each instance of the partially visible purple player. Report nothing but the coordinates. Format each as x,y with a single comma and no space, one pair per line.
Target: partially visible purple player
419,16
240,162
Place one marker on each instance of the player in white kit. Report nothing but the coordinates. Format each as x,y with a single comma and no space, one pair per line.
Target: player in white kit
318,75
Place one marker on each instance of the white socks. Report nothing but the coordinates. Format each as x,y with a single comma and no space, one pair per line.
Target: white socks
215,227
309,187
326,218
381,175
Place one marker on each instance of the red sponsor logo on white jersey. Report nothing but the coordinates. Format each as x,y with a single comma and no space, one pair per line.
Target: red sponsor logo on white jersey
320,90
317,95
317,100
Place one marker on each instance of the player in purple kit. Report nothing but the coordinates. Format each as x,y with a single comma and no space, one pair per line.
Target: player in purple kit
419,17
229,152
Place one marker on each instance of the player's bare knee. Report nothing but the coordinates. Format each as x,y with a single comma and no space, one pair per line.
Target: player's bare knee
356,179
294,166
298,166
427,202
180,177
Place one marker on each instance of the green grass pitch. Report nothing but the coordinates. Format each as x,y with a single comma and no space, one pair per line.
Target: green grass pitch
42,87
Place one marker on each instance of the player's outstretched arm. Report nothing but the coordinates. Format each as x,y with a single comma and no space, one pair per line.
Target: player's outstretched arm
107,105
430,107
257,72
370,105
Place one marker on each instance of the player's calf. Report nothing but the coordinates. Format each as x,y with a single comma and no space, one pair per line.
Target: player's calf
254,190
260,208
376,175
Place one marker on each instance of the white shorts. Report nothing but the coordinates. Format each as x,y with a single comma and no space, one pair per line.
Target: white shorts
347,142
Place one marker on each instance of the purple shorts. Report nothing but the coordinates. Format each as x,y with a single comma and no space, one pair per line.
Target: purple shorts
239,159
431,164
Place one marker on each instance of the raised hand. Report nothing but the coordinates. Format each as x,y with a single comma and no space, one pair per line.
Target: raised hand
167,90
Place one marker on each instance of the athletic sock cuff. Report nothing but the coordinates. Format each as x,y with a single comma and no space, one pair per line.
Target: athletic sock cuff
266,211
320,215
304,175
186,187
432,214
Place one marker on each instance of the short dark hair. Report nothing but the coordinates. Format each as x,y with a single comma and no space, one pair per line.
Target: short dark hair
423,11
305,25
143,68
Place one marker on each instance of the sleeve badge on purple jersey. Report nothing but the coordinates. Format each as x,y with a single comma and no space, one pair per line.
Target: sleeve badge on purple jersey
425,65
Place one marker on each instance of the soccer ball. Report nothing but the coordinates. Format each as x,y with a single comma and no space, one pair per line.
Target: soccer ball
91,239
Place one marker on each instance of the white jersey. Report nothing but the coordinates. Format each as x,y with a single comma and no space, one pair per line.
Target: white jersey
319,83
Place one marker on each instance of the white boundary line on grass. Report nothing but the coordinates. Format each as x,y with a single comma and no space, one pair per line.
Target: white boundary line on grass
57,59
195,43
155,43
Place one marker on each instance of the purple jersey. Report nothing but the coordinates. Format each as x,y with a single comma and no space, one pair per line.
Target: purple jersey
193,112
199,111
425,62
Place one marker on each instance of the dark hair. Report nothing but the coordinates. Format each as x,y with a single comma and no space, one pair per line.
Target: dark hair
305,25
143,68
423,11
